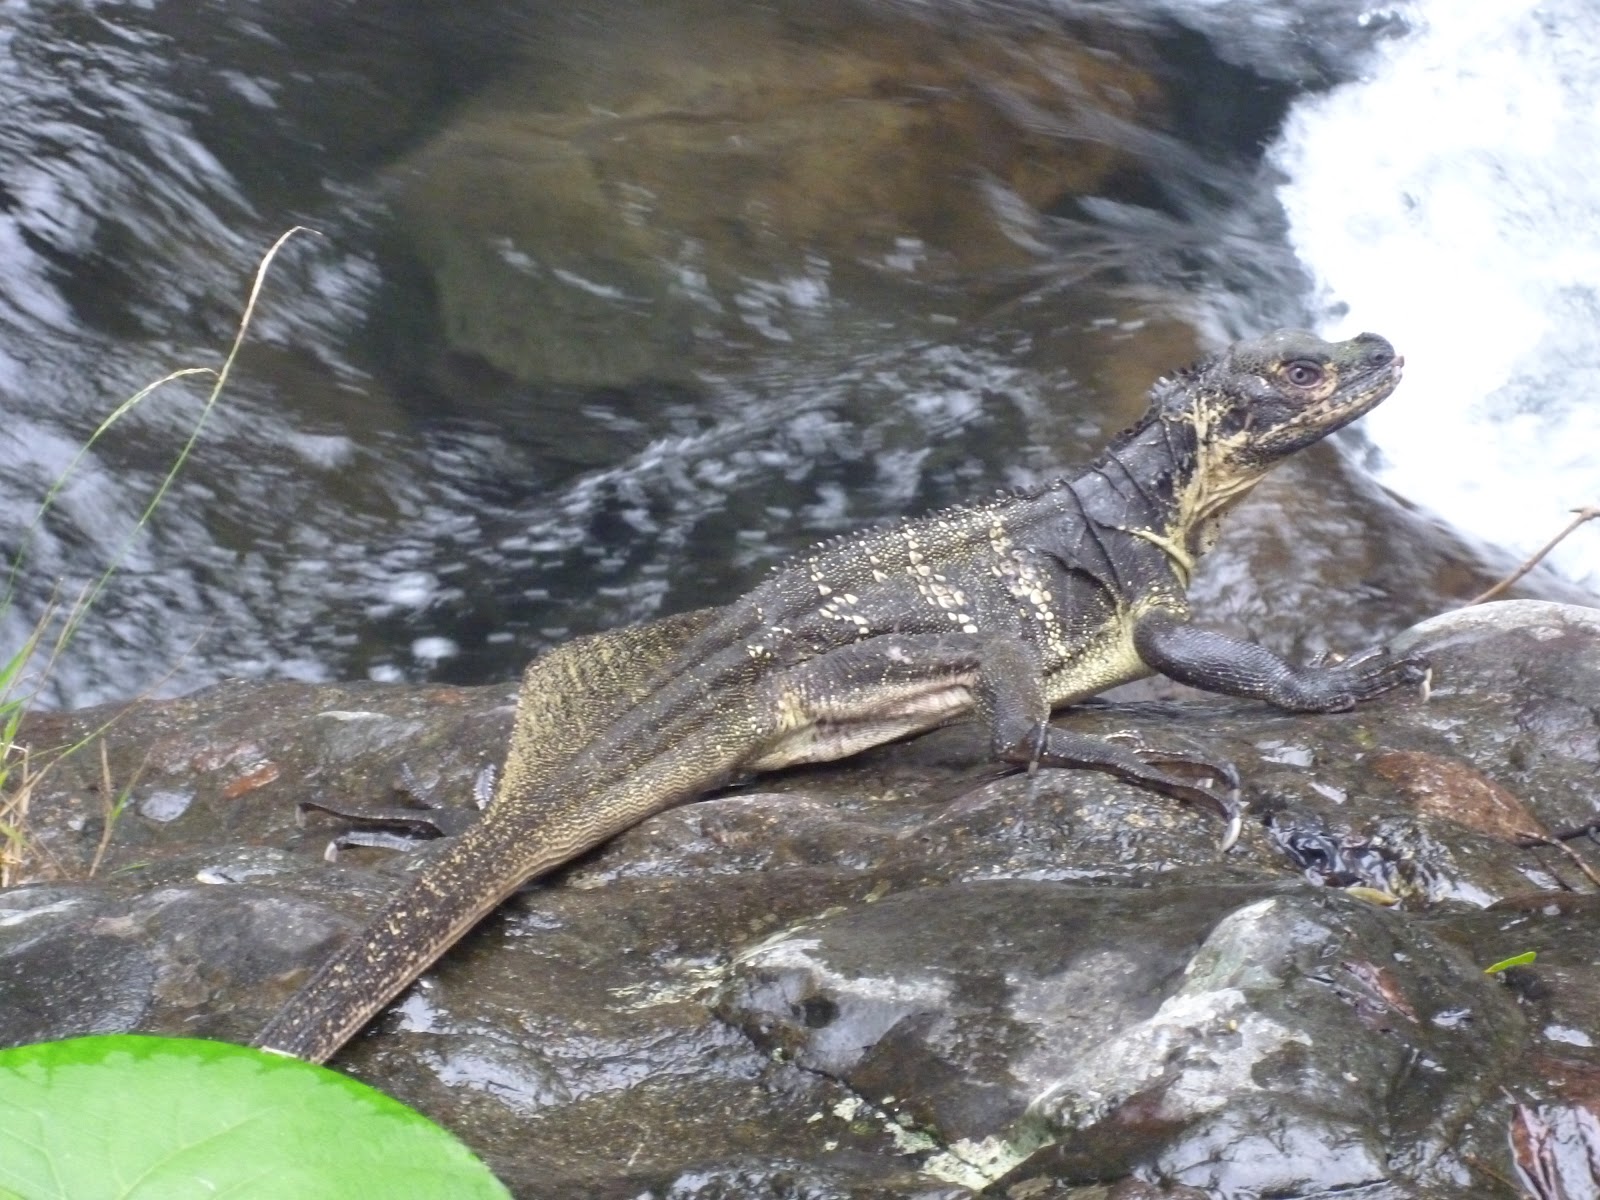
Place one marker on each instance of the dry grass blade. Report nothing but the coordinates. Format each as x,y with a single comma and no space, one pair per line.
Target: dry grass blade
115,802
21,674
14,816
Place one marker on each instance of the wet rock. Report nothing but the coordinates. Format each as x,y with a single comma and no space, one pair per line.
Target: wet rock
951,1009
1517,696
60,976
907,975
1083,1047
1282,1064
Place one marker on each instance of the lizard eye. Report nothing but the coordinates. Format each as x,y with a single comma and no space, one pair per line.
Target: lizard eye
1303,373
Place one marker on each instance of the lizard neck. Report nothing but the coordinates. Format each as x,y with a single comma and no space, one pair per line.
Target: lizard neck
1160,481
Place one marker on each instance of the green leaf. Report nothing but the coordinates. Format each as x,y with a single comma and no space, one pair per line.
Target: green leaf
147,1118
1516,960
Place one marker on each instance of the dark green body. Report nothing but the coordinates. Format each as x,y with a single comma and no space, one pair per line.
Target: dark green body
1009,608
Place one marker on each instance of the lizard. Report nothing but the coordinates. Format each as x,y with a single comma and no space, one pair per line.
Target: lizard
1008,608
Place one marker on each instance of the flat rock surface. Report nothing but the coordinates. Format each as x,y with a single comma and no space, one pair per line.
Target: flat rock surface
906,975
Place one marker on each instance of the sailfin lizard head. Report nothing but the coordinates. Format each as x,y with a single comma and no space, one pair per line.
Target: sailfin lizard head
1261,400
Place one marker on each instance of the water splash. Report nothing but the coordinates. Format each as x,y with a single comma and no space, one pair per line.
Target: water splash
1452,202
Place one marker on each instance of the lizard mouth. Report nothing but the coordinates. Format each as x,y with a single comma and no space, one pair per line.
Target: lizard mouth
1359,396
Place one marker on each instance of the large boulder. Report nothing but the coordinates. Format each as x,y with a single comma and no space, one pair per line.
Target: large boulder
905,975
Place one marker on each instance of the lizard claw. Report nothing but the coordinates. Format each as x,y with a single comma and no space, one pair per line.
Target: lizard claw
1379,670
1225,801
1235,819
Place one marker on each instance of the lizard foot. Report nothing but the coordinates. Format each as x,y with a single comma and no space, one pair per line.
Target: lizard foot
1051,746
1189,756
1342,685
1378,669
1224,800
384,829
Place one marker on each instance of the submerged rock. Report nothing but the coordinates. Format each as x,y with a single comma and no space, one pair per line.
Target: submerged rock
905,975
689,177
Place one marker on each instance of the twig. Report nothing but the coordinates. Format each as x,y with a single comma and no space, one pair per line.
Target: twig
1544,837
1583,514
1576,858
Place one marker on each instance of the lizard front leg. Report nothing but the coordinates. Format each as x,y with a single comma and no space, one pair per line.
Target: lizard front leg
1215,663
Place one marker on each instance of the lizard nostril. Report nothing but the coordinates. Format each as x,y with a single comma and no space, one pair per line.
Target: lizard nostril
1379,352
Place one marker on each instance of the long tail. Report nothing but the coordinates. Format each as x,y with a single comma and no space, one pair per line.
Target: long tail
569,697
406,937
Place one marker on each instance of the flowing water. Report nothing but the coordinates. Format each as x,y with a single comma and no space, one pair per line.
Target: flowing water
441,451
1452,199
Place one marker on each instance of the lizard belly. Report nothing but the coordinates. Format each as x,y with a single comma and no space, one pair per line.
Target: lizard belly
838,733
1102,662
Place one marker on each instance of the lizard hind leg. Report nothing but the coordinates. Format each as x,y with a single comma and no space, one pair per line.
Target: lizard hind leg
1053,746
1010,697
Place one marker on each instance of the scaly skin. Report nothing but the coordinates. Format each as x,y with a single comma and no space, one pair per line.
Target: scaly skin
1009,609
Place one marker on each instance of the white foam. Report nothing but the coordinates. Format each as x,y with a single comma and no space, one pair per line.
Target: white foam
1452,202
431,651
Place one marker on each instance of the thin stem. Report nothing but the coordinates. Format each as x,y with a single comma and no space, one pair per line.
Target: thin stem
1583,514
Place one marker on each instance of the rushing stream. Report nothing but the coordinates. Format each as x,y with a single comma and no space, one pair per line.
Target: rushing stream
615,304
1453,200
